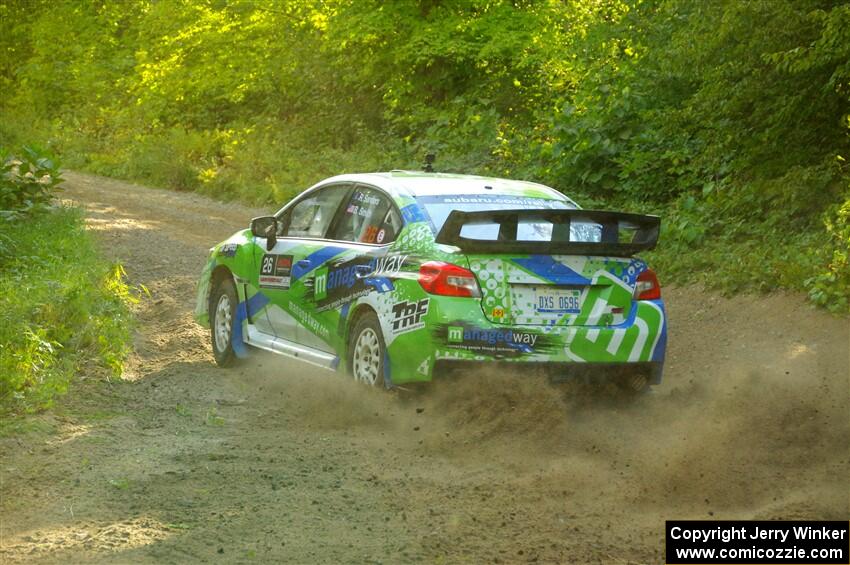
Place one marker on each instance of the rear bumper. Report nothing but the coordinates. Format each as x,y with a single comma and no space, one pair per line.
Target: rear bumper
460,336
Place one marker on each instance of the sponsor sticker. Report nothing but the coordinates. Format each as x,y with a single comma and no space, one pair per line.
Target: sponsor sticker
350,279
455,334
228,250
320,284
335,303
493,341
388,265
407,316
308,321
275,271
370,234
498,312
380,237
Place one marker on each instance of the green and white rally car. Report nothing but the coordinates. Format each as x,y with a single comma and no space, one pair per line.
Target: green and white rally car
395,277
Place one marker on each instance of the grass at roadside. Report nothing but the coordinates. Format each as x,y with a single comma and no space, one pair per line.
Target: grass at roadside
62,307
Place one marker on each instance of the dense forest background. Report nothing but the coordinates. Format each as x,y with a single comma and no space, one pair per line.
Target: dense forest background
730,118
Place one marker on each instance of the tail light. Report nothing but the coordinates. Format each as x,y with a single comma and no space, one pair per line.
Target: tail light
647,287
446,279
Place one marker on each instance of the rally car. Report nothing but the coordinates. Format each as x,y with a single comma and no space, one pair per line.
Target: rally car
400,276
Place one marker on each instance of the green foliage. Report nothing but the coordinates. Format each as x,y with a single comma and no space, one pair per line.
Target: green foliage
121,483
726,117
60,304
27,182
831,286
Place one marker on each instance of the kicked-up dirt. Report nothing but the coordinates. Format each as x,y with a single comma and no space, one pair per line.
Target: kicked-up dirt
276,461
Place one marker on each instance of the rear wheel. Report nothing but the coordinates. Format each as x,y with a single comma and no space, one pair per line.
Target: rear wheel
366,351
223,302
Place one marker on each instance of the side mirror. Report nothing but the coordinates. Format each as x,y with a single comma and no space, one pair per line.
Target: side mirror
265,226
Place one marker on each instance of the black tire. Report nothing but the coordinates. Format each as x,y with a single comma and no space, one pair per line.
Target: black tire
223,347
358,359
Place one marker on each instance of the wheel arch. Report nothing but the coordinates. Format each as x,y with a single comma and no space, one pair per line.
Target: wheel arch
357,312
220,273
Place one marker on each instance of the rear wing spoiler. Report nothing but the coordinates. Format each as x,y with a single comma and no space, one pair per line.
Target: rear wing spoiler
573,232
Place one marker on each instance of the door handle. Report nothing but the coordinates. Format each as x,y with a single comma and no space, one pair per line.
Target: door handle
303,263
362,271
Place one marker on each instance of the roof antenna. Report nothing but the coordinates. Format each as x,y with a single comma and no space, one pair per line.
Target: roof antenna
429,162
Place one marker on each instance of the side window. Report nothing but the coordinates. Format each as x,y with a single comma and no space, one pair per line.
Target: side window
311,216
368,217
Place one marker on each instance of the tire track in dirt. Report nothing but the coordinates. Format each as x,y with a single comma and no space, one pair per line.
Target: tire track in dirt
278,461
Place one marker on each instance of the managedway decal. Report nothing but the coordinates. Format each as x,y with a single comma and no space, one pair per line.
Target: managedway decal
334,285
493,341
308,321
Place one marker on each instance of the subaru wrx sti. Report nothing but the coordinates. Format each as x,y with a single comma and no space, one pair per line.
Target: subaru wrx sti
397,277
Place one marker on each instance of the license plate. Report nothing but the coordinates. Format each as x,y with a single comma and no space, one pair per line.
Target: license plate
549,300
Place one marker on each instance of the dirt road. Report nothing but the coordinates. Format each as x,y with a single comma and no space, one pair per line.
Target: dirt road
279,462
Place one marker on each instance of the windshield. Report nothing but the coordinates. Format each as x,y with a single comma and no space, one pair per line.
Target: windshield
438,209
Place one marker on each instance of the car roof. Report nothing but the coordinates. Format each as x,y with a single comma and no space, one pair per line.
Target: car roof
415,183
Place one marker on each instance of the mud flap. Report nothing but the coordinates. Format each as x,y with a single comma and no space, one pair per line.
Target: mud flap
240,324
388,381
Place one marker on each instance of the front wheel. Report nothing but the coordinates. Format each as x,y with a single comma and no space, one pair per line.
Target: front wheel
366,351
223,302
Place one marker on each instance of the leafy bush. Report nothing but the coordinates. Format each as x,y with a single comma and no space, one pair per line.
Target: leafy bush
61,305
27,182
831,287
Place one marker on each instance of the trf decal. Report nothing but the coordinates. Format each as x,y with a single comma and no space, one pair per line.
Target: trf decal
407,316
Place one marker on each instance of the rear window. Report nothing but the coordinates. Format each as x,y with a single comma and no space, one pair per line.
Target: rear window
438,209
